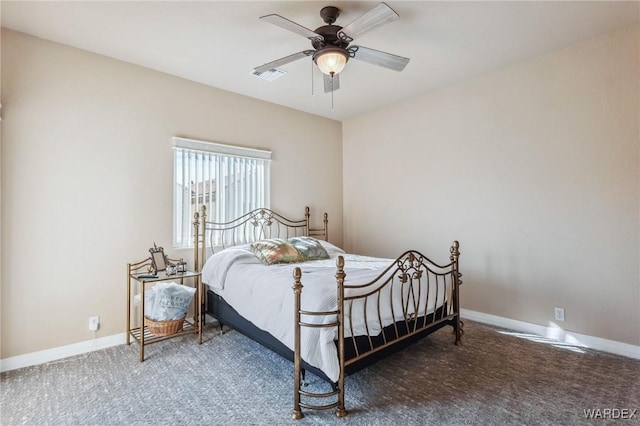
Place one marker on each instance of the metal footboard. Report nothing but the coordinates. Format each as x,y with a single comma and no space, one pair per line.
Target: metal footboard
412,296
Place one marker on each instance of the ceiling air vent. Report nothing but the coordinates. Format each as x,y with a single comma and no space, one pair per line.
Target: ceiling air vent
269,75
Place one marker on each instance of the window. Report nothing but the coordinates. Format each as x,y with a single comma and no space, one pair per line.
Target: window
228,180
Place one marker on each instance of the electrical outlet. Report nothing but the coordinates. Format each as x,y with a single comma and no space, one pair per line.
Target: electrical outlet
94,323
559,314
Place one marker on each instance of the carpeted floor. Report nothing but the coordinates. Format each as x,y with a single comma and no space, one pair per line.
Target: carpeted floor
497,377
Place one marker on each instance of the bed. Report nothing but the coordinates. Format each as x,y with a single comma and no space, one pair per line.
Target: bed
330,312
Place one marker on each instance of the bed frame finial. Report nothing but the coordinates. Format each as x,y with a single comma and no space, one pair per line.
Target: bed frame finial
326,226
297,274
455,252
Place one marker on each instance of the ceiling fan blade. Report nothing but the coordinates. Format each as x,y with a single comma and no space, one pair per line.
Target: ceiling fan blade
291,26
381,14
376,57
331,84
283,61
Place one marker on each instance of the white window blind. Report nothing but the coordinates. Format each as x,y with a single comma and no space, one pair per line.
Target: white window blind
228,180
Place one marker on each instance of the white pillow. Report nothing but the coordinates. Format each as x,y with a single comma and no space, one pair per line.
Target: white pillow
330,248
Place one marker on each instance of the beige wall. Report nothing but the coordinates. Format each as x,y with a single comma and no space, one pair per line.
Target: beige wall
87,179
534,168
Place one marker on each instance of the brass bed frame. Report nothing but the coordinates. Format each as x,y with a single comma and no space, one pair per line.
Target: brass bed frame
412,271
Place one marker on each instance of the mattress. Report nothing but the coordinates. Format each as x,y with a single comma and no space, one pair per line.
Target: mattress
263,295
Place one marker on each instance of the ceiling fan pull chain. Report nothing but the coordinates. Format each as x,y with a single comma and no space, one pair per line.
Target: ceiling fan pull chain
312,94
332,74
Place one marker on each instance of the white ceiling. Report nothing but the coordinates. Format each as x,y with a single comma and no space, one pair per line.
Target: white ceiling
218,43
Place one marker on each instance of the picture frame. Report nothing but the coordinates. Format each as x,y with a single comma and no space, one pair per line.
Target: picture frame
158,258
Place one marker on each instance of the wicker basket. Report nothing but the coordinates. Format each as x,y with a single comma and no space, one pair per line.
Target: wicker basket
164,328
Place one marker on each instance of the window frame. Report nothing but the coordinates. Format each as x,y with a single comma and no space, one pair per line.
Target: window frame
223,150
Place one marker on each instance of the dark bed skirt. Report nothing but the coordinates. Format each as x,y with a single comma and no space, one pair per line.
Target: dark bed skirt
226,315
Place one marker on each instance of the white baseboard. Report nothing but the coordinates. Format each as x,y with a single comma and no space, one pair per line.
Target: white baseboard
576,339
555,333
55,354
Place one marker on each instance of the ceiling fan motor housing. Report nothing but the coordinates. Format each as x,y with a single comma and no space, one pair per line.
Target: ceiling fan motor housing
330,34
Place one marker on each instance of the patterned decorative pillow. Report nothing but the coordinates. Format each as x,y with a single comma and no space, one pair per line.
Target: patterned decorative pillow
310,248
275,250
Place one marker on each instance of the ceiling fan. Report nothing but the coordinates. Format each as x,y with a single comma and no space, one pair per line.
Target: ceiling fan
331,43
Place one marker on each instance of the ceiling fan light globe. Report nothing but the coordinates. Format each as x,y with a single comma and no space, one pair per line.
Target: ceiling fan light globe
331,60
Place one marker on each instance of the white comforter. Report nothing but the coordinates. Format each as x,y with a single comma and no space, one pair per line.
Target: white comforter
263,295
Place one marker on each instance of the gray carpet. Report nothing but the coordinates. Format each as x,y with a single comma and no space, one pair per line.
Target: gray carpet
496,377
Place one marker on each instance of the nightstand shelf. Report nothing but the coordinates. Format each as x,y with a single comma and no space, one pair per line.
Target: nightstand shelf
137,283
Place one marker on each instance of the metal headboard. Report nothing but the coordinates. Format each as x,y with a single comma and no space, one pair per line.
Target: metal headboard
256,225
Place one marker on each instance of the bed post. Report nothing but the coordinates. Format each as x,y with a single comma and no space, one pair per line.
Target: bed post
297,291
455,255
326,226
306,217
203,252
340,275
196,240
